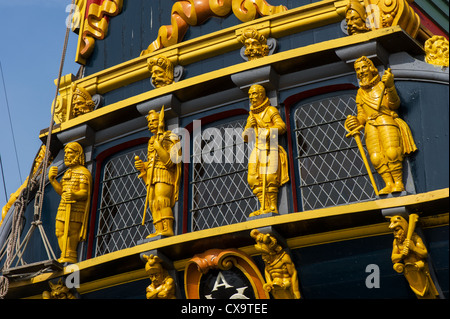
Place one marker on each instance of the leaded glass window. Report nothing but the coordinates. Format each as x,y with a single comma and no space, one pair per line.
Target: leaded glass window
219,189
122,196
330,167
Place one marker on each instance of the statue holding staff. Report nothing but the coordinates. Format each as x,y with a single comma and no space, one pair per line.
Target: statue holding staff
75,189
161,174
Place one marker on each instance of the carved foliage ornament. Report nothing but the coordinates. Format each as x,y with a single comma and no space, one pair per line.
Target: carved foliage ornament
192,13
436,51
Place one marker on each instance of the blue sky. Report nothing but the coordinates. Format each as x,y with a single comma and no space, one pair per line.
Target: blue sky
31,41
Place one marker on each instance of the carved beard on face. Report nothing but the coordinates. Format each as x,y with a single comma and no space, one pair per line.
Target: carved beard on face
400,235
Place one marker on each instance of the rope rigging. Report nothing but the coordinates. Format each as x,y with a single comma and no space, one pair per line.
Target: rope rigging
15,248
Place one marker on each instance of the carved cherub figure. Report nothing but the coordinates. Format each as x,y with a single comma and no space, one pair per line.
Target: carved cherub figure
280,272
163,285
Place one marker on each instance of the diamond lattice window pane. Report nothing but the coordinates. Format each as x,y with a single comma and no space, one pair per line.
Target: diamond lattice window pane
121,204
220,193
330,166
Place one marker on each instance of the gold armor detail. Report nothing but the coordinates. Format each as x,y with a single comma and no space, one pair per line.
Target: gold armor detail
72,215
409,256
388,138
268,164
280,273
161,174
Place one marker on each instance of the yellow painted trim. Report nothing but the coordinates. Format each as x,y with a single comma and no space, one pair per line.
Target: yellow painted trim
110,79
293,243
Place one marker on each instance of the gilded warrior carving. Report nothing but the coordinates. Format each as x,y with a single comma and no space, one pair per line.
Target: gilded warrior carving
162,284
58,291
268,165
191,13
388,138
436,51
280,273
74,189
409,256
255,44
355,16
161,174
162,71
82,102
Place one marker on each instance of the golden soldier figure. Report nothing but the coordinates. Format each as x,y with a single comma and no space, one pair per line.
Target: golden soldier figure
388,138
161,174
268,165
72,215
163,285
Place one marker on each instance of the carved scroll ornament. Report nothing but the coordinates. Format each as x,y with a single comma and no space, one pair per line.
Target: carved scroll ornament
193,13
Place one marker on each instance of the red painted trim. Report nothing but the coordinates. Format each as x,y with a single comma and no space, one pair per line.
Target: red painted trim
428,23
288,103
95,196
204,120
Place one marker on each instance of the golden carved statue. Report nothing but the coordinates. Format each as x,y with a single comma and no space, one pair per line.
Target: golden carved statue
81,101
58,291
268,164
281,275
162,71
388,138
436,51
162,285
409,255
355,16
255,44
75,189
161,174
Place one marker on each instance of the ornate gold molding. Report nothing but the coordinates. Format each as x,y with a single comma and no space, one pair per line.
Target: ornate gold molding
192,13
